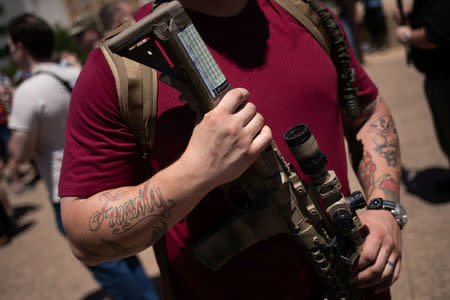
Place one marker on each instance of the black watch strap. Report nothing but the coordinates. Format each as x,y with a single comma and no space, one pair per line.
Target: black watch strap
395,208
375,204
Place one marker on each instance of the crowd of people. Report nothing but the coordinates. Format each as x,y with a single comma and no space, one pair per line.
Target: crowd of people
39,107
89,159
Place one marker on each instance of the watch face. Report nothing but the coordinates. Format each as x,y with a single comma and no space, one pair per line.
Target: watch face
400,215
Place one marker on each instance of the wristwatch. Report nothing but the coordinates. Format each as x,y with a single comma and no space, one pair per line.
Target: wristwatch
406,37
396,209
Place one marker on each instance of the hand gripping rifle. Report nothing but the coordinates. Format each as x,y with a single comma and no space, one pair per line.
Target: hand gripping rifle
279,203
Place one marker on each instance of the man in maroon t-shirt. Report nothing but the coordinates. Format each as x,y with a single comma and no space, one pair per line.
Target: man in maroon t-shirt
290,79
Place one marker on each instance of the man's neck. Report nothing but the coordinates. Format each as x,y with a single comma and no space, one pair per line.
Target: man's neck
219,8
33,64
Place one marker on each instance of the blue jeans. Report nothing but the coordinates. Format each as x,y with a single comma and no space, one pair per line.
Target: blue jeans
121,279
4,138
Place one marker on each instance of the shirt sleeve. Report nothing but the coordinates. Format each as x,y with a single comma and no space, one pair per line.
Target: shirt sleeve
99,148
25,110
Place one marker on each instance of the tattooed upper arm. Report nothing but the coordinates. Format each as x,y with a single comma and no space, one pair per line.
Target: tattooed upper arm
375,151
351,128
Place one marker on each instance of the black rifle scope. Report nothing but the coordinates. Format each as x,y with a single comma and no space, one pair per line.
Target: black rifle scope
313,162
305,149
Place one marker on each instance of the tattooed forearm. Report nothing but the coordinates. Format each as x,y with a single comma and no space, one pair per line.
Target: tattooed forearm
125,215
388,185
118,248
366,171
157,233
378,159
386,139
386,182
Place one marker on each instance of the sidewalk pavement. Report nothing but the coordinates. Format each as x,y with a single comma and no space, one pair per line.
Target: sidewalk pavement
38,264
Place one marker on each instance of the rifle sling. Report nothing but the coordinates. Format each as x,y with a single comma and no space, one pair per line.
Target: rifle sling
306,16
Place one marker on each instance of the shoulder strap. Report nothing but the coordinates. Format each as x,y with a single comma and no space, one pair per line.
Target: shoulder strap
306,16
62,81
324,28
137,91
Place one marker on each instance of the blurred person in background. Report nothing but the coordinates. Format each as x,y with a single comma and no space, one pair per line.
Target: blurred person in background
67,58
115,13
38,117
86,33
375,22
14,173
428,35
345,10
6,91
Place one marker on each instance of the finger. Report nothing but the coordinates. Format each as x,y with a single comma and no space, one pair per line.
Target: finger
372,274
255,125
390,281
260,142
369,254
377,274
398,267
246,113
233,99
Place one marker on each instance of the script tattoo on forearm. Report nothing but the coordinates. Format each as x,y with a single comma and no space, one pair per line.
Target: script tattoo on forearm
123,216
386,139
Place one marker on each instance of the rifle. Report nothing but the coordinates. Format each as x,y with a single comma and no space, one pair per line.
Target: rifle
278,201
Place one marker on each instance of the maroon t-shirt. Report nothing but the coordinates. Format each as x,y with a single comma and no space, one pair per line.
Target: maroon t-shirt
291,80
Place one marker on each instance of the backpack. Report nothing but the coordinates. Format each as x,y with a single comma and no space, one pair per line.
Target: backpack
137,88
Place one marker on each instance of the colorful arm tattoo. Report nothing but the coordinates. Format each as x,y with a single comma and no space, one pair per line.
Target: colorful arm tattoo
389,186
386,182
386,140
366,172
